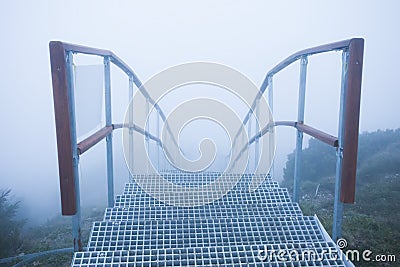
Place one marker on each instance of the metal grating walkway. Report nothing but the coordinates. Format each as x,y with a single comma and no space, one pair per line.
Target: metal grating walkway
241,229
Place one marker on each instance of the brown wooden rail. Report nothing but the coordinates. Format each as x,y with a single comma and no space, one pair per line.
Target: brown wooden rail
351,120
63,131
352,91
311,131
92,140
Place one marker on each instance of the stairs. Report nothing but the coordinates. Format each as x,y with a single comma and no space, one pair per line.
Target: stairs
261,228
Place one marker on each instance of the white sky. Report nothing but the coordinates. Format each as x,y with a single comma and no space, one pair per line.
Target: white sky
251,36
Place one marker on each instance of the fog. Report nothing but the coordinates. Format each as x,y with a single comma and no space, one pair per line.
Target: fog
152,36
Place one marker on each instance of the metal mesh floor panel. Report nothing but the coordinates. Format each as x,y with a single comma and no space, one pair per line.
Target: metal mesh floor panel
133,188
264,195
235,230
325,254
211,211
200,179
130,235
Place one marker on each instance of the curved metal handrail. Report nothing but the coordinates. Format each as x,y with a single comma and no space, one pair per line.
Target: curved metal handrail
352,88
68,47
59,52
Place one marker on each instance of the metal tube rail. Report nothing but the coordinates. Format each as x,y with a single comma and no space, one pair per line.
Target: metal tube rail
92,140
324,137
296,56
61,59
352,91
139,130
119,63
63,117
27,258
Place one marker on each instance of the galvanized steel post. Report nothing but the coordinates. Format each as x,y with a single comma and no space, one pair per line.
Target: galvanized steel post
130,140
158,144
338,206
249,133
76,219
300,119
147,135
257,145
271,107
107,100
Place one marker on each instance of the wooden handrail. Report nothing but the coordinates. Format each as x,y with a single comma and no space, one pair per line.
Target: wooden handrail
62,118
351,120
92,140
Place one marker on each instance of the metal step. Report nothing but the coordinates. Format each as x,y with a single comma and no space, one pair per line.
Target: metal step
168,234
263,195
201,179
209,211
133,188
242,228
297,254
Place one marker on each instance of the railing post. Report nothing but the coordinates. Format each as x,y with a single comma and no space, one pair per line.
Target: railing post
271,107
146,135
338,206
300,119
256,145
249,133
107,96
158,145
76,219
130,117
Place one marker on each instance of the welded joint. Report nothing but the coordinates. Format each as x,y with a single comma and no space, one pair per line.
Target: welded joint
109,137
304,60
300,134
339,152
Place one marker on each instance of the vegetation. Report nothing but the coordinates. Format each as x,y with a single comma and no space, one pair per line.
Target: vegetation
55,233
373,221
10,227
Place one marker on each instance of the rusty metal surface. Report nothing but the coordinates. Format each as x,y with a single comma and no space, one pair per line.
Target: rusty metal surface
92,140
351,120
320,135
63,132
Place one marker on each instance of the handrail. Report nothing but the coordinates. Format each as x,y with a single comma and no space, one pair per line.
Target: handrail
62,97
27,258
139,130
308,52
61,59
100,52
324,137
92,140
351,121
293,58
121,64
348,130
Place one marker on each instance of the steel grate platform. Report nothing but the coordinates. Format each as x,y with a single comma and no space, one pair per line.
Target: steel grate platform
130,235
261,195
201,179
320,254
211,211
133,188
234,230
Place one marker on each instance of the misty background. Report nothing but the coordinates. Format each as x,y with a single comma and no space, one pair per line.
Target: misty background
249,36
